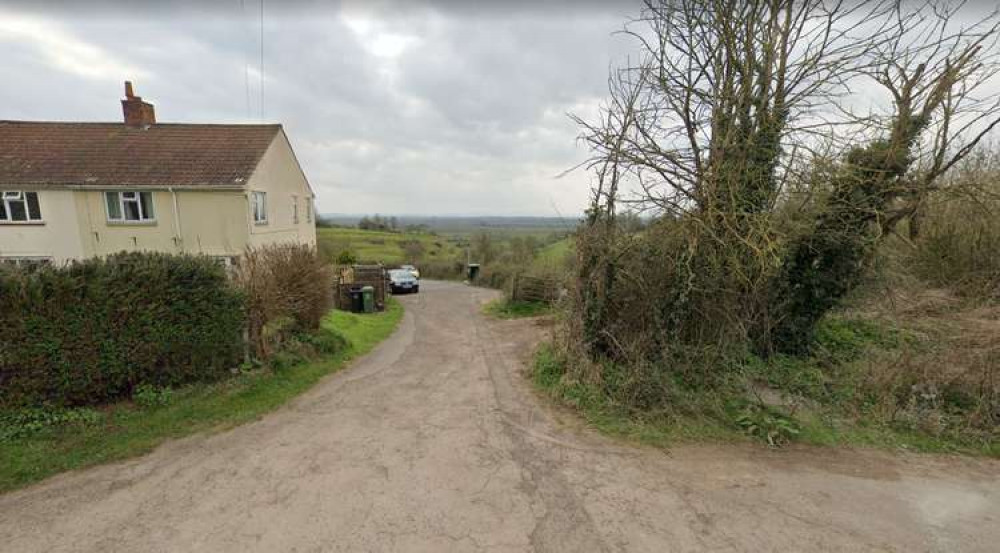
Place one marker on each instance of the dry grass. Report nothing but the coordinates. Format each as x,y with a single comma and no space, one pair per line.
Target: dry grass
948,376
959,242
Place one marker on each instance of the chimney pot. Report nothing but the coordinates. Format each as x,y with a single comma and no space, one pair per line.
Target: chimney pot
137,113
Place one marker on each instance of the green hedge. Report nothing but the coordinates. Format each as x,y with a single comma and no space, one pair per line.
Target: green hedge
92,331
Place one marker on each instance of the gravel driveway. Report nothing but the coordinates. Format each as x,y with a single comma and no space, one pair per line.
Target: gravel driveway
434,442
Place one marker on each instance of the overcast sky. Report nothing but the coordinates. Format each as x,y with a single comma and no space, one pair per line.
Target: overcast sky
395,107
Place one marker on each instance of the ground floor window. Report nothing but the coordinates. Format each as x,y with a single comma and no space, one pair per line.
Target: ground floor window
224,260
129,206
19,206
26,262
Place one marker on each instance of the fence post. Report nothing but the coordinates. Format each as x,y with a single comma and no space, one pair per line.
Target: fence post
513,289
246,344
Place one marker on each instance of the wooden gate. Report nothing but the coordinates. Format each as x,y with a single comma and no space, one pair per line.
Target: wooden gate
534,289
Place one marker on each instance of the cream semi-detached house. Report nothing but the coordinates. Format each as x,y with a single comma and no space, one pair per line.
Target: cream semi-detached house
75,190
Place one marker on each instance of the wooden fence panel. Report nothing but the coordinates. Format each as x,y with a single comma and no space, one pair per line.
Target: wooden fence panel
350,276
534,289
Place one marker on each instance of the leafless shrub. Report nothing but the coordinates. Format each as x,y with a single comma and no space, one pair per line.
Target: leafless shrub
288,289
959,239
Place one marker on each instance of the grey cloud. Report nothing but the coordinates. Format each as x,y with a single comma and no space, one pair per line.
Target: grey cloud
469,117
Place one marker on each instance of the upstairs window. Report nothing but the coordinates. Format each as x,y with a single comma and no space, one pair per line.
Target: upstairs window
295,210
129,207
19,206
260,208
309,210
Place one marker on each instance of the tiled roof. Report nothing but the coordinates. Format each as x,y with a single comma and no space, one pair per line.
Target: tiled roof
164,154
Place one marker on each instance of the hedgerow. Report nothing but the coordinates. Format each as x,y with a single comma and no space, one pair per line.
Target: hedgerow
93,331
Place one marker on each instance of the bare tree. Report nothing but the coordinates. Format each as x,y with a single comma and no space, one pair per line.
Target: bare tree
596,272
939,73
734,101
724,87
932,75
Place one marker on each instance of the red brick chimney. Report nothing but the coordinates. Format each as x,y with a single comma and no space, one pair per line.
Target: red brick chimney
137,113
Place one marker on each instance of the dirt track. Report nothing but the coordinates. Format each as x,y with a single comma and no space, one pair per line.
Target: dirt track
434,442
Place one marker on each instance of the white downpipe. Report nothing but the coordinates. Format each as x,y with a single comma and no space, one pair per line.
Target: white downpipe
177,221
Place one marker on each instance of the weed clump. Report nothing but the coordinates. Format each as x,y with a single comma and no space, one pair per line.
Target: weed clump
26,422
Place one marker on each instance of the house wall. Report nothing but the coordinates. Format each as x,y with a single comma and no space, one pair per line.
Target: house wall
280,176
103,237
211,222
57,236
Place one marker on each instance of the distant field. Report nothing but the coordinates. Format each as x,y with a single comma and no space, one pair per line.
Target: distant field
441,253
500,233
556,251
460,229
451,225
386,247
554,258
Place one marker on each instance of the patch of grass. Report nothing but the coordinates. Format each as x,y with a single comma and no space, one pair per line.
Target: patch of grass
846,338
554,258
125,429
826,429
506,309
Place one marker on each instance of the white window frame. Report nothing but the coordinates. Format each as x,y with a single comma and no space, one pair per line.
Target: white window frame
21,196
147,214
309,209
295,209
258,207
225,261
26,261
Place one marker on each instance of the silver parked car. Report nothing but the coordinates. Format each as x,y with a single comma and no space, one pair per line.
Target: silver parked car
412,269
401,280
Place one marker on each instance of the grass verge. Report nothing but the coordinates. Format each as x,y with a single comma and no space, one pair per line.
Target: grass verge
837,397
603,413
506,309
125,430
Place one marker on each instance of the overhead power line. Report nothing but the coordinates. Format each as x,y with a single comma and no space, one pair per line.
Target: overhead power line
246,58
262,60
